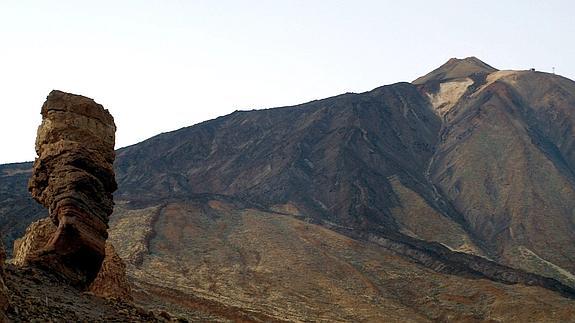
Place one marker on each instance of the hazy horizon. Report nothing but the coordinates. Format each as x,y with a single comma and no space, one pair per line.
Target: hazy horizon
162,65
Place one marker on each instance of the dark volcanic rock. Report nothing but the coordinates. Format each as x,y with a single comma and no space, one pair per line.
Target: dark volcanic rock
333,158
73,177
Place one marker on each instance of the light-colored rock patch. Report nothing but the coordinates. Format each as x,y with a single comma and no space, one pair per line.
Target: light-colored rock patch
448,95
509,75
530,261
36,237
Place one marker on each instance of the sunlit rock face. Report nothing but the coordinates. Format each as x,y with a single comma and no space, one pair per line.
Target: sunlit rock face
73,177
112,281
37,235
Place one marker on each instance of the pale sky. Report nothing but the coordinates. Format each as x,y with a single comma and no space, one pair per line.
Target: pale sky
162,65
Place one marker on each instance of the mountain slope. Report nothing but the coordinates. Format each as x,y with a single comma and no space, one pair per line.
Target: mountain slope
334,160
17,208
264,262
438,199
505,160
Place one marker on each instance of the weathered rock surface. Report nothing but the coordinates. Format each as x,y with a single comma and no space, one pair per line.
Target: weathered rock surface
112,281
37,235
73,177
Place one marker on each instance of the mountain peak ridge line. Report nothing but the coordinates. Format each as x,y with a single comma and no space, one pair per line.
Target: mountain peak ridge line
457,182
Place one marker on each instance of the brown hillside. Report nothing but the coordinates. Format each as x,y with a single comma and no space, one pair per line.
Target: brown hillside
449,198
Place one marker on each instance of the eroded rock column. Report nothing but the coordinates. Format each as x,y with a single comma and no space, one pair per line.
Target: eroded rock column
73,177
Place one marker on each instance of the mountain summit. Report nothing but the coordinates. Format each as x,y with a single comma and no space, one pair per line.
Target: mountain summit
441,199
456,68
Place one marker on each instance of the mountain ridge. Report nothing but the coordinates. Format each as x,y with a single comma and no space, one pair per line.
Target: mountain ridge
448,175
456,68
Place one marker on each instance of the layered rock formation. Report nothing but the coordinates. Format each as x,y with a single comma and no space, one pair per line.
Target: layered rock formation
74,179
37,235
111,281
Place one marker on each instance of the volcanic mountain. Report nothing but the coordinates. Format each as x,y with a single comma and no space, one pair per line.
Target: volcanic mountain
448,198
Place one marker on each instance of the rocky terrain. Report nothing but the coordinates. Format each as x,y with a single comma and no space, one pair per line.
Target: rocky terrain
293,270
39,296
446,199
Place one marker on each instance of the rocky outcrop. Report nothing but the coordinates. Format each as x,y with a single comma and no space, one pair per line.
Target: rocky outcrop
37,235
73,177
112,281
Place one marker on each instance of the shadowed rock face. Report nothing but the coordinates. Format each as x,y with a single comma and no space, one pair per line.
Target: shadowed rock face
74,179
111,281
